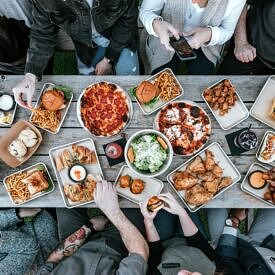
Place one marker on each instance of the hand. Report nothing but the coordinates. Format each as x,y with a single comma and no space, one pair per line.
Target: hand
163,30
200,36
173,206
244,52
106,198
28,212
99,223
25,88
103,67
148,215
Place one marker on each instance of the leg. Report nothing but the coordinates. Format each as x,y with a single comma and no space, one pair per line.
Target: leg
232,66
262,226
69,220
165,224
199,66
45,229
216,222
128,63
173,65
18,252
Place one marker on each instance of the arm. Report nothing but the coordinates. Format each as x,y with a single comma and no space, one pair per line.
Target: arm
243,51
107,200
8,218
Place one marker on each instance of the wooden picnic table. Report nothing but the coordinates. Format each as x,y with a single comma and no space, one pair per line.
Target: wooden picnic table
248,88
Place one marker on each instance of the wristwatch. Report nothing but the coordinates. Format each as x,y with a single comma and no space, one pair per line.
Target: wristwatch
229,222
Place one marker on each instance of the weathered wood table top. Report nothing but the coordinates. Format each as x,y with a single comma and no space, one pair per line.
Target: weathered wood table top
248,88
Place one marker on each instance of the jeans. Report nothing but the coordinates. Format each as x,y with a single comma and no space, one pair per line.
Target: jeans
127,63
199,66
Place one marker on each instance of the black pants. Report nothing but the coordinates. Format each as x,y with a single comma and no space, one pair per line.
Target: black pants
199,66
232,66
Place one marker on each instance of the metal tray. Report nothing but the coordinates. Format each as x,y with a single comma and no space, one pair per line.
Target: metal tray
155,126
235,115
62,176
257,193
263,142
153,186
148,110
100,138
48,86
38,195
223,160
262,104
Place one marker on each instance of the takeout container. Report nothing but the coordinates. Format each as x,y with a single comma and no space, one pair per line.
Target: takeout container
78,113
257,193
236,114
262,104
153,187
224,162
11,112
63,177
46,87
189,102
167,162
262,146
29,169
148,110
11,135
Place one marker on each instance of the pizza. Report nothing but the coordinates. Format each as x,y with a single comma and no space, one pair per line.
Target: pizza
105,109
186,126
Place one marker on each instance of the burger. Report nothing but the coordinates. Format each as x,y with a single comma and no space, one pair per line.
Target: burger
146,92
154,204
53,100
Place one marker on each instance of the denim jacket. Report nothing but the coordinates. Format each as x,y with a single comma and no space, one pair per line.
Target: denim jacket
114,19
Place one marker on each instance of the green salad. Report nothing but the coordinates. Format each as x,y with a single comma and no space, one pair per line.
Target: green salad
149,155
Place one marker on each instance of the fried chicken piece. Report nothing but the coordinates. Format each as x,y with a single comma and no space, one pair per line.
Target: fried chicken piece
197,195
217,171
125,181
208,176
196,166
211,186
184,180
226,181
209,162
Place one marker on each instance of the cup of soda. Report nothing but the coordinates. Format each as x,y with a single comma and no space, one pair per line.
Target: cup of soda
246,140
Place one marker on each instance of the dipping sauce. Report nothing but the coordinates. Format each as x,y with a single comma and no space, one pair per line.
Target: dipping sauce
256,180
113,150
6,102
77,173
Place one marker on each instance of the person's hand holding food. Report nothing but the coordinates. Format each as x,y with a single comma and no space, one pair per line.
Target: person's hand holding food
199,37
24,91
172,206
148,215
106,198
244,52
164,30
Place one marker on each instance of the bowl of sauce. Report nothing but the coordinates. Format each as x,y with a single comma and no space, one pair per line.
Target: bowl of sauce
77,173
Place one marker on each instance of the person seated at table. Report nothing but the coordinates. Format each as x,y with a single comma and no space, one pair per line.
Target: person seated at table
206,24
27,236
15,22
104,34
90,248
253,49
183,250
245,254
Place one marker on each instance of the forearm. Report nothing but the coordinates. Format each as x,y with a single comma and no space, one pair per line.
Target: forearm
8,218
132,238
240,35
70,245
188,226
152,234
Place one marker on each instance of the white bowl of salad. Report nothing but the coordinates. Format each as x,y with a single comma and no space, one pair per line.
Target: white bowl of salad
148,153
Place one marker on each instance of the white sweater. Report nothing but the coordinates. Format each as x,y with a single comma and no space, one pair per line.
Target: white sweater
150,9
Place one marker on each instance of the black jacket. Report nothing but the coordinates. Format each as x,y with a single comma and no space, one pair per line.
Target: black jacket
114,19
